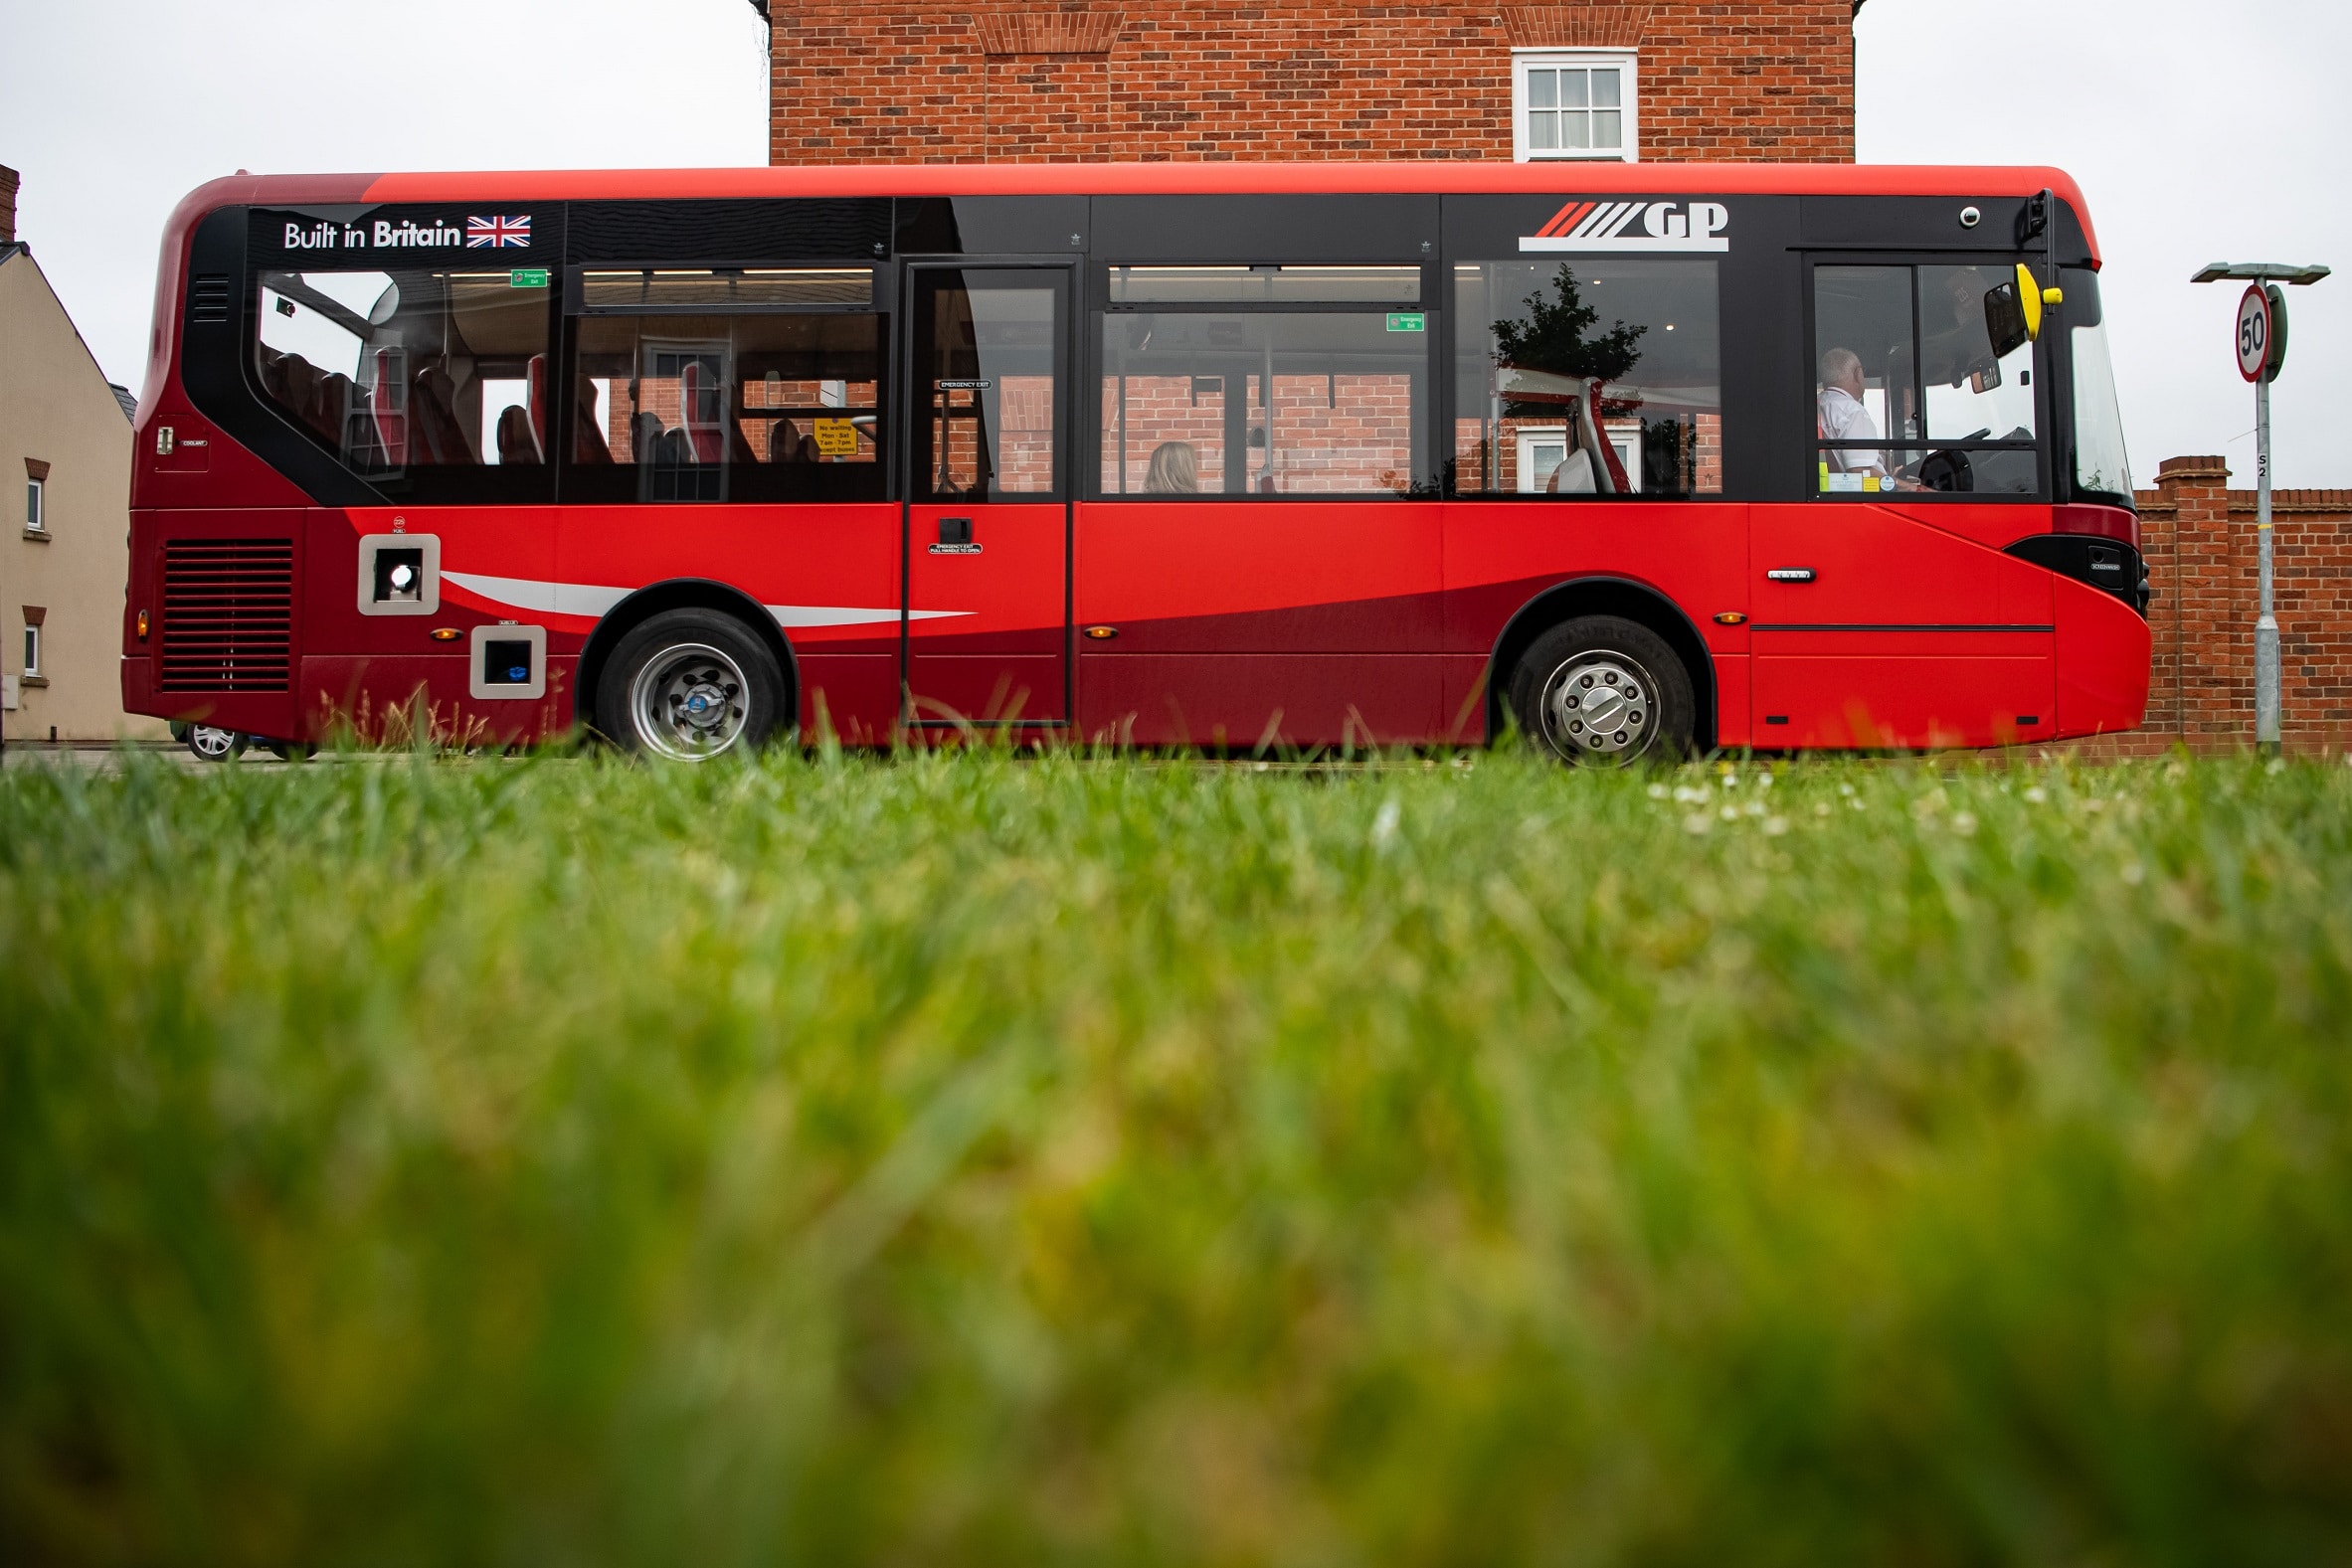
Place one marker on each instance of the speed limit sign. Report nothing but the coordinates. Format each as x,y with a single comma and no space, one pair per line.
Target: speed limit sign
2261,333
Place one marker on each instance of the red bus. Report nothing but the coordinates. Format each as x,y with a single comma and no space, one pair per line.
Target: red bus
1631,456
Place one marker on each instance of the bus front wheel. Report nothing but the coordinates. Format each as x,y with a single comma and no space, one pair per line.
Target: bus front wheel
1603,691
212,744
691,685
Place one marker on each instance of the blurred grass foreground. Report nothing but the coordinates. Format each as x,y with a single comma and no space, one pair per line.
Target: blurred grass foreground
959,1160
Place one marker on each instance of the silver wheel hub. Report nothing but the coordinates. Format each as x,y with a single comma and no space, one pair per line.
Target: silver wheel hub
690,702
1600,704
211,740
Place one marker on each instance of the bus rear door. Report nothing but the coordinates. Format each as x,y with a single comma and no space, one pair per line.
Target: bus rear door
987,521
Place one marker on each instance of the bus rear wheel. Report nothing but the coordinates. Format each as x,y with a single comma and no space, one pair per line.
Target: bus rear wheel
1603,691
691,685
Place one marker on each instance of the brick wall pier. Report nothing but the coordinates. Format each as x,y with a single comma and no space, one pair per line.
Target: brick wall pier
2199,537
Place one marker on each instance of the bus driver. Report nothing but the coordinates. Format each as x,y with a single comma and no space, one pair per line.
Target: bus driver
1842,418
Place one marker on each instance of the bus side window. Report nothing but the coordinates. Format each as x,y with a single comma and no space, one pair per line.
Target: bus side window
1587,376
1908,394
396,372
727,387
1215,382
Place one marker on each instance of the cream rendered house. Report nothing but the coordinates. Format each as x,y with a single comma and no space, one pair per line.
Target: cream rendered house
64,516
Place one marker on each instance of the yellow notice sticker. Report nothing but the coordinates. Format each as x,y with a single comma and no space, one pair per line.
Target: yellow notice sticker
836,437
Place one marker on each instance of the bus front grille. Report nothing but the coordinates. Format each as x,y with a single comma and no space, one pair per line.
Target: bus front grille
228,614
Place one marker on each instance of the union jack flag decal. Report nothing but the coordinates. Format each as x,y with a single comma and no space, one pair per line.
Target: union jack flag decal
493,234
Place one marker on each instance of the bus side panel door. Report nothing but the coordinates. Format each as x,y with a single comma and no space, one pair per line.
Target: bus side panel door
2103,650
1502,555
989,520
828,573
1236,621
1875,629
368,667
985,600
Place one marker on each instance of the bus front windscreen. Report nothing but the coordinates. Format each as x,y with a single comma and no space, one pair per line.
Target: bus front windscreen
2102,472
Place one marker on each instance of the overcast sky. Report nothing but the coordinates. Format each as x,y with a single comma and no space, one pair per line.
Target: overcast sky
114,110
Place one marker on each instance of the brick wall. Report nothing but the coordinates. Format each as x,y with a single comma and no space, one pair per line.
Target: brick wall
2199,536
1285,79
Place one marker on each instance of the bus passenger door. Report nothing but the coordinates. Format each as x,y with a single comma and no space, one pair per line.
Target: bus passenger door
1872,629
988,519
1886,613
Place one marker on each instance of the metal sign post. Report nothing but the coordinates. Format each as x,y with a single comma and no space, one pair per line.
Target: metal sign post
2261,354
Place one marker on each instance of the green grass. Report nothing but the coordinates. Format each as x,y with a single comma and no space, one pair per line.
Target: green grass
960,1160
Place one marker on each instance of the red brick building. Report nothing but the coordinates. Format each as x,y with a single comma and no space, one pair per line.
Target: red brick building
871,81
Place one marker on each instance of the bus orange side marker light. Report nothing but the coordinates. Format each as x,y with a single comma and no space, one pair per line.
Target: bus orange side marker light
1731,617
142,625
446,634
1102,634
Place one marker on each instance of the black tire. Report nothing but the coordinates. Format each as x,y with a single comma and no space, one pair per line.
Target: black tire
290,751
209,743
646,698
1640,685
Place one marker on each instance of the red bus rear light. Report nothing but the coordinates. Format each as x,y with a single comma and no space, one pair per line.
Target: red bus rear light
2107,522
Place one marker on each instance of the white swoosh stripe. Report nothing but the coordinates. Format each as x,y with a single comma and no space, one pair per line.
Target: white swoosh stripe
594,600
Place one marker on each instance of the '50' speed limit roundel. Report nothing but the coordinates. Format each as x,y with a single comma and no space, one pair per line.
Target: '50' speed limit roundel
2262,332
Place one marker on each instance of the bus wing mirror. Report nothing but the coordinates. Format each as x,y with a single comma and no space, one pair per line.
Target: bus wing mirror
2012,314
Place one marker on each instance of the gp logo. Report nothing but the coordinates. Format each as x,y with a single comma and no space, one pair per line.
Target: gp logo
1587,224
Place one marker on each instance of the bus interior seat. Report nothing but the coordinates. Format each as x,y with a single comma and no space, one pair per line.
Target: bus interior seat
645,436
535,384
588,433
436,433
786,443
517,441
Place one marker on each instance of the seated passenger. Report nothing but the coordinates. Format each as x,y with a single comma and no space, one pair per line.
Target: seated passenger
1174,471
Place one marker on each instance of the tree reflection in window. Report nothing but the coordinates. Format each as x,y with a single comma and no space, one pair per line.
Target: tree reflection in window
1601,377
1552,365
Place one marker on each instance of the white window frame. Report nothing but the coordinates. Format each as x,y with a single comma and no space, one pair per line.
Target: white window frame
32,650
36,505
1624,435
1627,63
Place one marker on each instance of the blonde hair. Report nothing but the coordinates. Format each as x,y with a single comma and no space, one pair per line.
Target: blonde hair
1174,471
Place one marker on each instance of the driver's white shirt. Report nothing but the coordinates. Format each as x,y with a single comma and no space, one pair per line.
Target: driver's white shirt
1844,419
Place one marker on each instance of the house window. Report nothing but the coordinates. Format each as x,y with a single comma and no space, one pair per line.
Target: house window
35,496
33,649
1573,103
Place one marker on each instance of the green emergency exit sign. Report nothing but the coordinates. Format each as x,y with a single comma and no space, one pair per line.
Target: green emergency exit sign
528,277
1408,321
